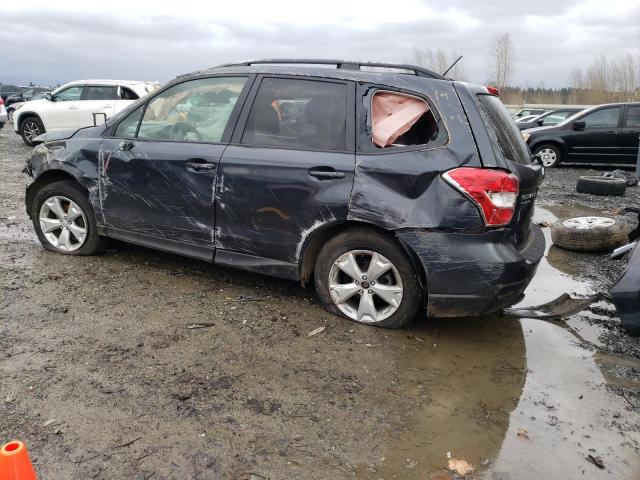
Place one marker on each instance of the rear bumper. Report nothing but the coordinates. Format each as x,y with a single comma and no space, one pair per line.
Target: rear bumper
473,274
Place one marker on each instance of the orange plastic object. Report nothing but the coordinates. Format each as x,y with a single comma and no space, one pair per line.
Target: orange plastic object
15,463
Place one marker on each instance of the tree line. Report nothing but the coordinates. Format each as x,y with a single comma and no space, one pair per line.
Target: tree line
604,80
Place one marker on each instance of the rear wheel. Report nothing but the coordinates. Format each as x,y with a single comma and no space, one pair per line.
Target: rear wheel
30,128
10,112
367,278
64,221
550,155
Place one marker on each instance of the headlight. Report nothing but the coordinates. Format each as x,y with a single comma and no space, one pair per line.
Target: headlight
526,136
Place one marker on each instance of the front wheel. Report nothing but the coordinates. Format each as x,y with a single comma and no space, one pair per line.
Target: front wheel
550,155
30,128
367,278
64,221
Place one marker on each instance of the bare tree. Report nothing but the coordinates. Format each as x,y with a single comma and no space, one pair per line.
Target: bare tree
439,61
501,60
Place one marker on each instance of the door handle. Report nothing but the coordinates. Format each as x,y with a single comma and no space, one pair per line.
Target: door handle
326,173
73,107
199,166
107,106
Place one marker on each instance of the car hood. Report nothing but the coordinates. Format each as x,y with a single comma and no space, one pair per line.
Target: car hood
57,135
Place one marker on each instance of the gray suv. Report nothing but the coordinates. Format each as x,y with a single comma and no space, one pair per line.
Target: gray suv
390,187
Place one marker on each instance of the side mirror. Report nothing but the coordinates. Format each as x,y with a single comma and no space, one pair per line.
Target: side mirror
48,96
540,122
578,125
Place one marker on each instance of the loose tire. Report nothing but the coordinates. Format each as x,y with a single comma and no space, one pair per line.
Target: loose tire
602,186
589,234
64,220
367,278
549,154
30,128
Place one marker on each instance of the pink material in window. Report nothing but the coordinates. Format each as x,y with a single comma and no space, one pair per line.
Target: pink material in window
393,114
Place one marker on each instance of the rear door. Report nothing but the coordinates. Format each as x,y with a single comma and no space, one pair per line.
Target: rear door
289,169
62,111
96,105
630,134
599,140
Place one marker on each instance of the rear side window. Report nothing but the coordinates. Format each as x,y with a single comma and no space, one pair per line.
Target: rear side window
505,136
400,120
633,117
128,94
103,92
303,114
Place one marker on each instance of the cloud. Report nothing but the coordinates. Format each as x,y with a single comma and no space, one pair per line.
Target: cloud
550,38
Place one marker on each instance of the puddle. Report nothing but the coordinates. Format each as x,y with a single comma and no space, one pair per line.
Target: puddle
475,384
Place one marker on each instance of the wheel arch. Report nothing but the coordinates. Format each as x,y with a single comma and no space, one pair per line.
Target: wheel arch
562,146
22,116
316,239
46,178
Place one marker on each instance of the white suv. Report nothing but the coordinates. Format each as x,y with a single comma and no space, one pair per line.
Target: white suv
78,104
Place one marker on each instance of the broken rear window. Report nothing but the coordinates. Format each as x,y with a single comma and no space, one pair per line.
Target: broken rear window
400,120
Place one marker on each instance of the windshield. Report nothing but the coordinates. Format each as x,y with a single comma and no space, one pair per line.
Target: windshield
506,138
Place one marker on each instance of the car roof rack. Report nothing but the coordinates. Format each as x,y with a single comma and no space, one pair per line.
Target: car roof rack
340,64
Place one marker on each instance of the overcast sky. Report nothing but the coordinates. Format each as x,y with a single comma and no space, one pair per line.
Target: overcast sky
143,40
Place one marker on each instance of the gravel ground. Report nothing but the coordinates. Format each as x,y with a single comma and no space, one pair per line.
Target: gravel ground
104,374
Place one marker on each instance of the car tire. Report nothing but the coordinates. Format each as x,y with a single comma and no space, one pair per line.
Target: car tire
10,112
30,127
390,300
608,186
589,234
46,214
550,155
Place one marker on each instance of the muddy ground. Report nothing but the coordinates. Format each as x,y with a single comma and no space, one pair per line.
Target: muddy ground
102,376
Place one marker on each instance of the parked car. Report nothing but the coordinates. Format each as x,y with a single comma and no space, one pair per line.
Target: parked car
526,119
8,90
526,112
18,105
77,104
603,134
547,119
25,95
391,192
3,114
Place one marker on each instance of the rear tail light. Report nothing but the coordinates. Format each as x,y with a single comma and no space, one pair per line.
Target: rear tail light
493,91
1,101
495,192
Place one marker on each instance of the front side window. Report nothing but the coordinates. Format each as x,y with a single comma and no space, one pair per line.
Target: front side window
605,118
633,117
127,127
103,92
193,111
292,113
68,94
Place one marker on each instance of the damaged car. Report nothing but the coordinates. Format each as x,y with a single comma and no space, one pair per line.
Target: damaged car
391,191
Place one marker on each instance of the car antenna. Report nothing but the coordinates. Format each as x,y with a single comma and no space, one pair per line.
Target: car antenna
452,65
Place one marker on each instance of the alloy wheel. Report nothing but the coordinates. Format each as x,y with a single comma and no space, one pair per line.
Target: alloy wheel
31,130
63,223
365,286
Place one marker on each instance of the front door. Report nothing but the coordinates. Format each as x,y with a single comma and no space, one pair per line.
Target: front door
630,134
62,111
289,170
599,140
158,174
